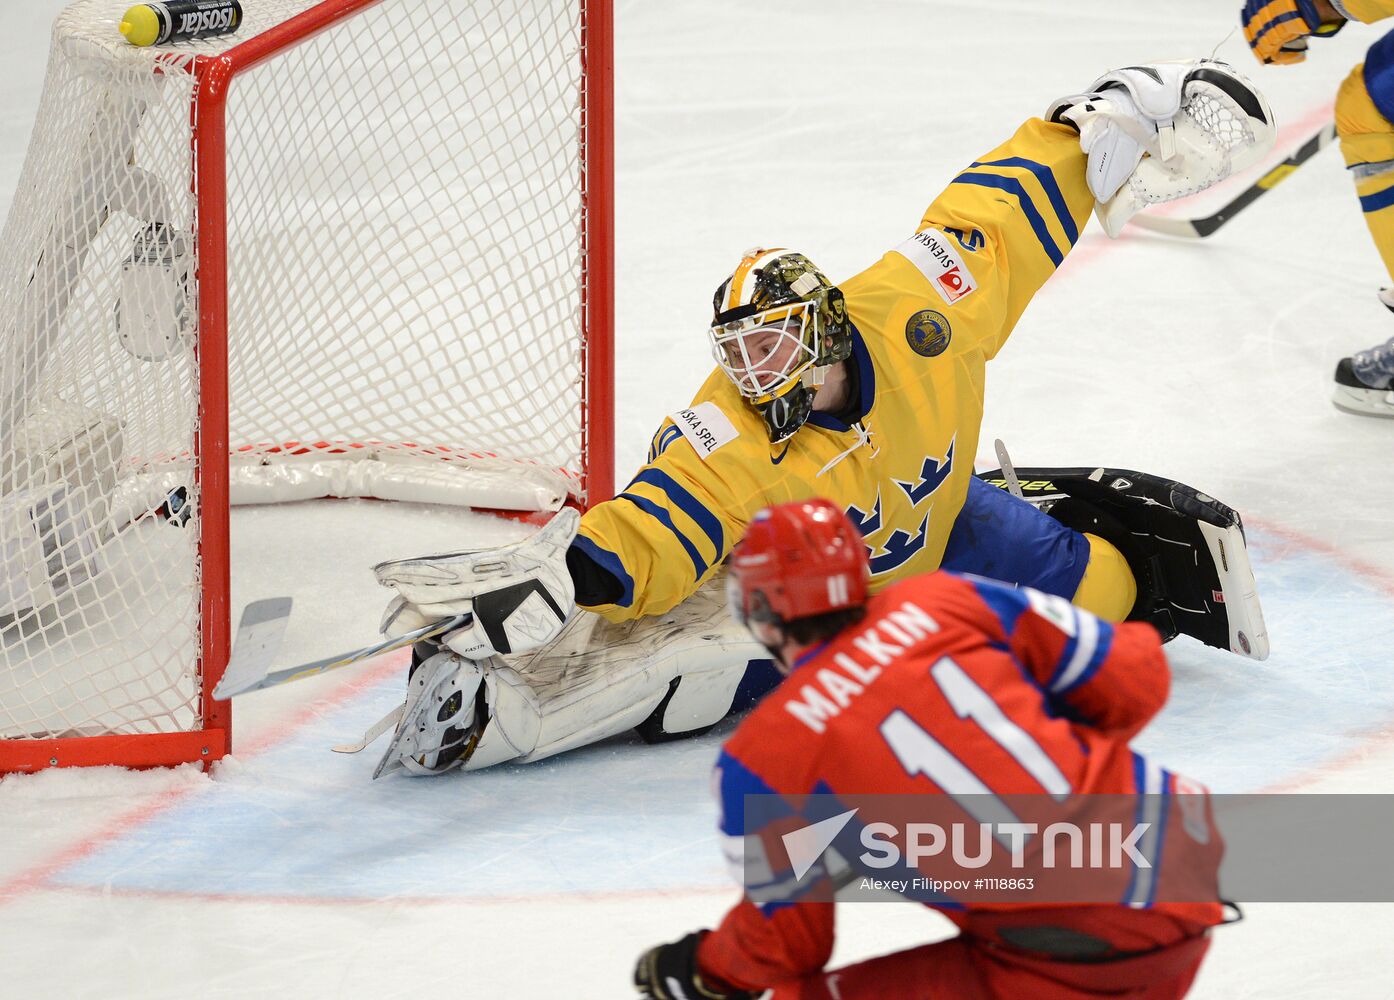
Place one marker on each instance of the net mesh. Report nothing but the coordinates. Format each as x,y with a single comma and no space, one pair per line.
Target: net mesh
404,205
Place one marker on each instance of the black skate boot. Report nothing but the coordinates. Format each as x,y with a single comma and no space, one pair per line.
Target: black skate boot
1364,380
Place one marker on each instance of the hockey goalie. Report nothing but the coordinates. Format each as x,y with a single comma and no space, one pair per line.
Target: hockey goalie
868,392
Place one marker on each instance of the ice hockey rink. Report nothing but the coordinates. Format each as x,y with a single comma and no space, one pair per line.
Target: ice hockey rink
828,127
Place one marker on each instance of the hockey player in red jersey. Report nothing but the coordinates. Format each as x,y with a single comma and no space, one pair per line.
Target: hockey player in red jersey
934,684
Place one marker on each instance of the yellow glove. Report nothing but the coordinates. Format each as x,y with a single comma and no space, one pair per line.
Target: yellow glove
1277,30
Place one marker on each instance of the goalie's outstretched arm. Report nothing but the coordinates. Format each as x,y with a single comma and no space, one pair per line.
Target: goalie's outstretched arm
667,532
641,553
1137,136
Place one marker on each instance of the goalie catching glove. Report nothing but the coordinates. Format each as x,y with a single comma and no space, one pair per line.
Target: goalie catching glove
1164,131
520,595
1186,549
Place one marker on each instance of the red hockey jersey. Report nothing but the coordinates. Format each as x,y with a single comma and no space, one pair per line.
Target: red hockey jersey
964,687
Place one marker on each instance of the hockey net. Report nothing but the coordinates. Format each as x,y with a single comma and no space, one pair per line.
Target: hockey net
358,248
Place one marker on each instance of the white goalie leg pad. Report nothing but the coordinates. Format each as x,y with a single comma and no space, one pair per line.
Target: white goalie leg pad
57,486
25,580
602,679
72,444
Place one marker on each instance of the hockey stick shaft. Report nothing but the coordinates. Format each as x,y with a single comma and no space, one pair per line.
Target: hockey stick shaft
231,686
1203,227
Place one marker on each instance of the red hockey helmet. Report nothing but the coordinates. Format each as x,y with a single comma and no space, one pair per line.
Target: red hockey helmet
797,560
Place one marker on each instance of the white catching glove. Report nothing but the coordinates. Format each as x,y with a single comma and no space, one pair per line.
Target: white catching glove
1164,131
521,595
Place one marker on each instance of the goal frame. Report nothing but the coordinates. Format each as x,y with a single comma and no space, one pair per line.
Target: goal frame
213,76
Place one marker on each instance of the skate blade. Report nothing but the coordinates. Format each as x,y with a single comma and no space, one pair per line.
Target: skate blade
1364,403
388,721
411,712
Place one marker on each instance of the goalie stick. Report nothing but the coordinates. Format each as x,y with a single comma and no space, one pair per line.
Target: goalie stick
247,668
258,637
1203,227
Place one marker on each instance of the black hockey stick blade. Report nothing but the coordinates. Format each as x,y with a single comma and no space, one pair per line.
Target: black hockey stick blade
259,635
253,676
1203,227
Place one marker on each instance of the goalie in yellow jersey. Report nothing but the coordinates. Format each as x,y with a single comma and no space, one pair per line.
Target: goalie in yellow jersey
868,392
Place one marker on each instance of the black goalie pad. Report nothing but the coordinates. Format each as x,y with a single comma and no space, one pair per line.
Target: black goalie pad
1186,549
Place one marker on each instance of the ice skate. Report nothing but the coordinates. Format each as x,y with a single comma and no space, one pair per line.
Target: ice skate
1363,380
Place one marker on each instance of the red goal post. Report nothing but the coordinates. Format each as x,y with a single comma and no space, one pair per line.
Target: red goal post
426,314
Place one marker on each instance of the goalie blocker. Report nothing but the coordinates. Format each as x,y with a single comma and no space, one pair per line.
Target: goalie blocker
1186,549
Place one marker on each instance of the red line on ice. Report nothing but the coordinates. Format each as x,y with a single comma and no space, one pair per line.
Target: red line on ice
1289,135
609,895
36,876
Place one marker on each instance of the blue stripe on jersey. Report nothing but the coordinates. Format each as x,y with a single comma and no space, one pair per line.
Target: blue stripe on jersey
661,440
1014,187
1103,644
1159,852
1006,603
1153,804
688,504
1379,74
760,678
1291,15
1378,201
661,516
1139,787
737,781
1081,657
609,562
867,388
1052,189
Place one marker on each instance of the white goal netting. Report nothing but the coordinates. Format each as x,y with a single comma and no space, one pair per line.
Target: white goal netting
405,272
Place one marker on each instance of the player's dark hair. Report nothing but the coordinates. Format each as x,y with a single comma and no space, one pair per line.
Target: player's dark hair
820,628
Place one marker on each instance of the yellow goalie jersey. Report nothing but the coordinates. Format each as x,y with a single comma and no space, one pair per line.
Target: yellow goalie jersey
927,317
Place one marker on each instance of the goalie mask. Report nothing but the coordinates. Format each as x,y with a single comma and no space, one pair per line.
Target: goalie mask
778,325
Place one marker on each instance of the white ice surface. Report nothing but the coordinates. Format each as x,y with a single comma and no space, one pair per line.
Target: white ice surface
827,127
